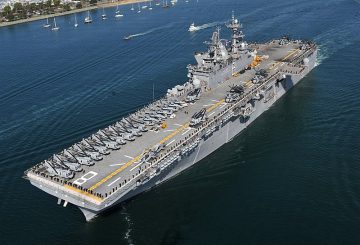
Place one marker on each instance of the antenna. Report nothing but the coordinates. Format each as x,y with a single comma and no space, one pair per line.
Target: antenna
153,91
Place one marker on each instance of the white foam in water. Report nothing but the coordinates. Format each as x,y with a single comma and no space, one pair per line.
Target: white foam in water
208,25
321,55
329,43
128,230
151,30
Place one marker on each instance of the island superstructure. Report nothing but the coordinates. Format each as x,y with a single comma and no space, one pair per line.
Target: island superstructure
231,84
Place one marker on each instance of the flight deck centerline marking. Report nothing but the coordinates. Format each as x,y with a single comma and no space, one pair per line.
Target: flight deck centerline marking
114,181
290,54
128,157
283,59
216,105
139,156
170,142
135,159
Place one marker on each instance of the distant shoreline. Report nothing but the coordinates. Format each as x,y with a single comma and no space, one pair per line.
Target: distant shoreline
41,17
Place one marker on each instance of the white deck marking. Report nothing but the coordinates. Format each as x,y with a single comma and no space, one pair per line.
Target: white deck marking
85,177
170,142
211,113
114,181
208,105
169,130
176,124
187,130
128,157
215,100
136,166
117,164
223,105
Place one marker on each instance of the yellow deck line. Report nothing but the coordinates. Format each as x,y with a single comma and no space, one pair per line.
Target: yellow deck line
283,59
215,105
139,156
290,54
83,193
115,172
173,133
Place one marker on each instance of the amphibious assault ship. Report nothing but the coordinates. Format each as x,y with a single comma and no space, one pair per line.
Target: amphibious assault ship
231,84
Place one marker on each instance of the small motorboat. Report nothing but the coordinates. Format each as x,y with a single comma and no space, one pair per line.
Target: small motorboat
192,27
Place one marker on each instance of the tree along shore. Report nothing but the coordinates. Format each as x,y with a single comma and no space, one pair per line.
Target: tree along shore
25,13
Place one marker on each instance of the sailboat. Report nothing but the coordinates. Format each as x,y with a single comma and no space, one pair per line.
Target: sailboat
76,23
139,11
47,25
150,8
166,5
157,3
88,19
132,7
55,27
103,16
117,12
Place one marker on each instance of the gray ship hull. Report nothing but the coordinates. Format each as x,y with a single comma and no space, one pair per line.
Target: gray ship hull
223,135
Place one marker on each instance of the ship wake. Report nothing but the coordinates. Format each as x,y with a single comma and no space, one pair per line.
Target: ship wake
150,31
209,25
129,223
329,44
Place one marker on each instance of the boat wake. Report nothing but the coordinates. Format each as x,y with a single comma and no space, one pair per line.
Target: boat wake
128,230
208,25
150,31
330,44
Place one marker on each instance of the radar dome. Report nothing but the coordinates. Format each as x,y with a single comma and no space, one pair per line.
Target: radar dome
196,83
306,61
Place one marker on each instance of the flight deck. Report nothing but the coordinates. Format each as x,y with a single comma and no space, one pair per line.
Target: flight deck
231,85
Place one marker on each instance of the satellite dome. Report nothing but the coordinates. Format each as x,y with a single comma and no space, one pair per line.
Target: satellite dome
196,83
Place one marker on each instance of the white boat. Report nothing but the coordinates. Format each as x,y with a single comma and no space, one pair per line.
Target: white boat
193,28
88,19
55,27
103,16
139,11
173,2
157,4
47,25
117,13
76,23
144,7
132,7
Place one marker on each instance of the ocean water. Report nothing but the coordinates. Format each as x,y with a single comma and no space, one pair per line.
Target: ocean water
293,177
